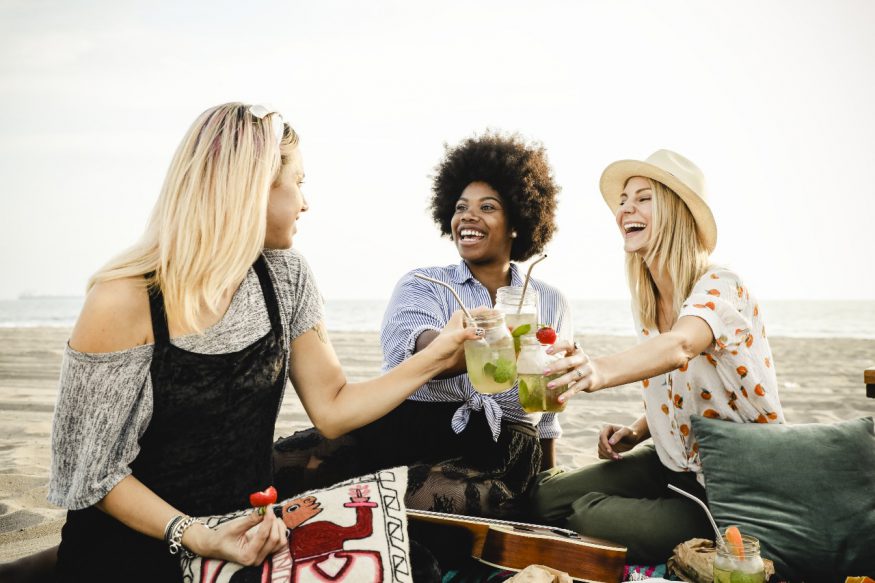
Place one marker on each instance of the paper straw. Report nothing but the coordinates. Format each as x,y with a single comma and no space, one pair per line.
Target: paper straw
707,513
458,299
519,308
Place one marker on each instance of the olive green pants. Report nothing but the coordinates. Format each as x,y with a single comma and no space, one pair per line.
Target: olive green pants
625,501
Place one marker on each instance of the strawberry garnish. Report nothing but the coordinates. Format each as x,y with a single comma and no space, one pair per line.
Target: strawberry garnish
264,498
546,335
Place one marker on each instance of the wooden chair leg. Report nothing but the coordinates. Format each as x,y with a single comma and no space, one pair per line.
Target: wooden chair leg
869,378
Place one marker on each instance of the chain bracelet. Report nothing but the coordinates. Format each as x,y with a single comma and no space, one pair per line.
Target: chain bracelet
176,532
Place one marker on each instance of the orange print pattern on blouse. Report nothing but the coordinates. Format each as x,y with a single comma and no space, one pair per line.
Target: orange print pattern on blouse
706,394
709,305
664,408
714,292
711,414
742,371
759,390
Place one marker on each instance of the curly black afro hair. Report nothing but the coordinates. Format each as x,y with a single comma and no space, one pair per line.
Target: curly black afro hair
518,171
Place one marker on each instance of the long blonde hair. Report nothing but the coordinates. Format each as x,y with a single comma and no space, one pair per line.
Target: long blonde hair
675,247
208,225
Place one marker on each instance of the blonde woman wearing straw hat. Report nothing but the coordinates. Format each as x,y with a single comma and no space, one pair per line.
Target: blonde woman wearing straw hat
175,371
702,351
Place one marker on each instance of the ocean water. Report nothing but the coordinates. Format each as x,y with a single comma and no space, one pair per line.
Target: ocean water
797,318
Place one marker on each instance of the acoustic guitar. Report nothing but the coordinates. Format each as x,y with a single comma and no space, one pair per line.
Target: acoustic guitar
515,546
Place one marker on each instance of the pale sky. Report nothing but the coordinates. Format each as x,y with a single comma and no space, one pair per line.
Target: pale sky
775,101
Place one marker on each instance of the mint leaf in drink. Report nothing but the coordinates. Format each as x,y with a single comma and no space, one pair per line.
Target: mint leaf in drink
520,330
505,370
489,369
524,391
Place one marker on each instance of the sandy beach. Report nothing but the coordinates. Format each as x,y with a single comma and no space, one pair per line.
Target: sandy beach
821,380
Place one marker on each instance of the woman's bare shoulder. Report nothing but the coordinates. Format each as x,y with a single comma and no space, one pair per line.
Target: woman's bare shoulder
115,317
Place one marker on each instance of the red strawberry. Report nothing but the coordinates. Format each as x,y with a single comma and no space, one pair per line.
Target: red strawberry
263,498
546,335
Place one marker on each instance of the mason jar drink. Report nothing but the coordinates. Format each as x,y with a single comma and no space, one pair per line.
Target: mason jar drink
491,360
732,565
534,394
521,320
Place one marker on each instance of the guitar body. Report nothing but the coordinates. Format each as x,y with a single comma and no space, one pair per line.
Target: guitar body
515,546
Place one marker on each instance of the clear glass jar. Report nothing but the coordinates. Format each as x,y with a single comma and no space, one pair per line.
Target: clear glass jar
491,360
732,566
534,394
507,301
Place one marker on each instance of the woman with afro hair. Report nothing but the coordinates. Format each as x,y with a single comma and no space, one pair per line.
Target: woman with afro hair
469,453
495,198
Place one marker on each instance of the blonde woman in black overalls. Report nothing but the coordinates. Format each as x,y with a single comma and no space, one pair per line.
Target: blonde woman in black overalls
175,371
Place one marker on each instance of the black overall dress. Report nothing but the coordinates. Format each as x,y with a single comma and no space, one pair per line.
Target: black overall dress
207,447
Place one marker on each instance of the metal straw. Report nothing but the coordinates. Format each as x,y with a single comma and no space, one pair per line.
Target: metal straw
519,308
458,299
707,512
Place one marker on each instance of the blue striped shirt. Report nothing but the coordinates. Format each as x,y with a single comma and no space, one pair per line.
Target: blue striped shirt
418,305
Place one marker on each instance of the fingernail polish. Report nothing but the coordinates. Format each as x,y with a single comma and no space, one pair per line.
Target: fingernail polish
480,332
546,371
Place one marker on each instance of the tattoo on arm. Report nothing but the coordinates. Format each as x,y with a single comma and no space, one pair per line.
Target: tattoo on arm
321,332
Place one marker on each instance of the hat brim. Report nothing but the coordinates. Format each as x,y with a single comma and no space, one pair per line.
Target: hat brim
614,179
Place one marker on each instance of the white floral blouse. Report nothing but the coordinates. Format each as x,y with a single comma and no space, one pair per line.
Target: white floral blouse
734,379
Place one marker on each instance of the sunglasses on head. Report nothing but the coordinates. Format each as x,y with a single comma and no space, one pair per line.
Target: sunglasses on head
276,120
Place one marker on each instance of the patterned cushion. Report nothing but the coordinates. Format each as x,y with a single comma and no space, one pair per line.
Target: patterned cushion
353,531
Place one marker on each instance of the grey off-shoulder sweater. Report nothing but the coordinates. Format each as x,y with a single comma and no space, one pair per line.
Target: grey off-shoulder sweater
105,400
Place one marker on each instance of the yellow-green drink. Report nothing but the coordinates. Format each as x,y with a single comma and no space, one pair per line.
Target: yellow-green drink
492,369
491,360
739,565
536,396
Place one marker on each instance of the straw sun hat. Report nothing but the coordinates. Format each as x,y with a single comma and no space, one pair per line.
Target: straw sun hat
672,170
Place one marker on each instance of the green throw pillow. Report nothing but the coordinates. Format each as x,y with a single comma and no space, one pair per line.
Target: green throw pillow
807,492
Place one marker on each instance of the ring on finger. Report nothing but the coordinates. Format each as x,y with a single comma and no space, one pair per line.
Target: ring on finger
577,345
578,373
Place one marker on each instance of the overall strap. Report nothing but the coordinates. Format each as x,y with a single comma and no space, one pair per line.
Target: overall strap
159,317
267,289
